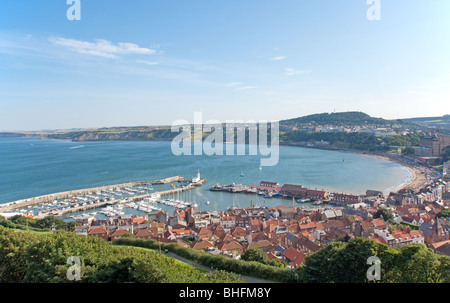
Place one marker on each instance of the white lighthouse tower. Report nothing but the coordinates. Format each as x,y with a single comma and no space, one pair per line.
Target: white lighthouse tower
196,178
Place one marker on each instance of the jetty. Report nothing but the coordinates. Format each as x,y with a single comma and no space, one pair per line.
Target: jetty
8,207
167,180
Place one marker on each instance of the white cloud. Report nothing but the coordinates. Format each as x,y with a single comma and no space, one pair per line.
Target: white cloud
244,88
147,62
292,72
233,84
102,48
278,58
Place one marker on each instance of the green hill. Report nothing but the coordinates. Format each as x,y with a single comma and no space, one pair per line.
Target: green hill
431,122
339,119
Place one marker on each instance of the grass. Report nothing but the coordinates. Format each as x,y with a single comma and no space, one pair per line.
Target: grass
176,261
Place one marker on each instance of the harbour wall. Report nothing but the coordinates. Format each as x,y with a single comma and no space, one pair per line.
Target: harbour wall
80,192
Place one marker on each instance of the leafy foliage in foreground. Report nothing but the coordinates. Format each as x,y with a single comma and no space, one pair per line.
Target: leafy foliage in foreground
45,224
247,268
42,258
341,262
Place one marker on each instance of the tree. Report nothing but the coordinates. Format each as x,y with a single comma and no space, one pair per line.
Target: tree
340,262
419,264
255,254
408,151
386,213
445,213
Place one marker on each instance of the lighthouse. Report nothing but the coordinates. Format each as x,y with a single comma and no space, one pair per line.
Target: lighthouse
197,178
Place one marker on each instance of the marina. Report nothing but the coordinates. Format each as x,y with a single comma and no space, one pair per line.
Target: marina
112,199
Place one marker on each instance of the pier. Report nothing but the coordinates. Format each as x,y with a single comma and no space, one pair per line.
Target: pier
167,180
7,207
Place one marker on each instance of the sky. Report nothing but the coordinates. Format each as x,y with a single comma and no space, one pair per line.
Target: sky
147,62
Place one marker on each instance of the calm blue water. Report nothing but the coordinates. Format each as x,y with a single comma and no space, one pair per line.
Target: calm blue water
31,167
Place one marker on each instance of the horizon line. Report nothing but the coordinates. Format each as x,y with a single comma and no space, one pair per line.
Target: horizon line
169,125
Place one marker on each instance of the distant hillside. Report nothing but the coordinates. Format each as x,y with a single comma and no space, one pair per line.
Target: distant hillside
118,133
431,122
339,119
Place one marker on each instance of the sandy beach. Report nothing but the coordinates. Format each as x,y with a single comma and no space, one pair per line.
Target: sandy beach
420,174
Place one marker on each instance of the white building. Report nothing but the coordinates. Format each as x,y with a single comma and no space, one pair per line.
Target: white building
196,178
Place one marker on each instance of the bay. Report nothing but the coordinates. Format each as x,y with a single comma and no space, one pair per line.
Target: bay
32,167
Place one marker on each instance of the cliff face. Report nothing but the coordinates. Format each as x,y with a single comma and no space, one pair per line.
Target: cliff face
148,135
117,137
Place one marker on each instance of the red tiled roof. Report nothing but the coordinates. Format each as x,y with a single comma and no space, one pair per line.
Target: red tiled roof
300,259
200,245
138,220
98,230
291,253
232,245
143,233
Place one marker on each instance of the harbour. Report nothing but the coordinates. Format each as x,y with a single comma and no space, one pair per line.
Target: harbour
113,198
294,193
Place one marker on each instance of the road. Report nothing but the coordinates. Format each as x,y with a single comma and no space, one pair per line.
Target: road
244,278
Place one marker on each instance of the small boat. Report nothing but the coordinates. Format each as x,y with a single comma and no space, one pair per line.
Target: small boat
242,174
303,201
207,202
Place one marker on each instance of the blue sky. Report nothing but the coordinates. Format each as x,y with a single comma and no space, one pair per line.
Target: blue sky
146,62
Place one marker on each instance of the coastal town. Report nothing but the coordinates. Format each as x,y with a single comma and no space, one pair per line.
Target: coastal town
291,233
307,220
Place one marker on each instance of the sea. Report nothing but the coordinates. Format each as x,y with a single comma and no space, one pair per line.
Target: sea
32,167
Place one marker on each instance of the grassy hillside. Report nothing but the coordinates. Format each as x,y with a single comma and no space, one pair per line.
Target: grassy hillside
339,119
43,258
431,122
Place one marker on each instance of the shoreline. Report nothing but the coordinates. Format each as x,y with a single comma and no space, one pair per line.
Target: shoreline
418,179
419,175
